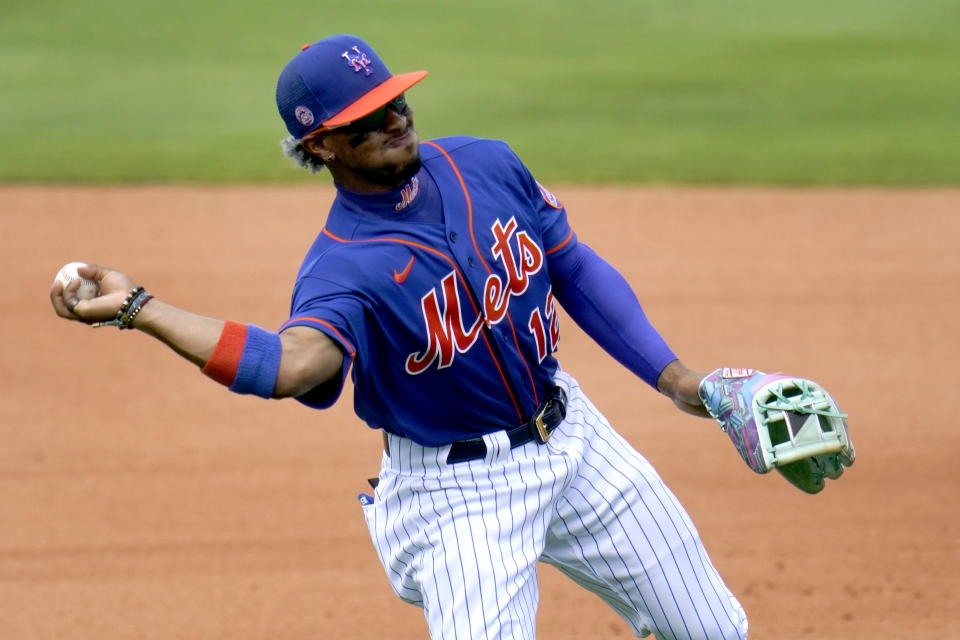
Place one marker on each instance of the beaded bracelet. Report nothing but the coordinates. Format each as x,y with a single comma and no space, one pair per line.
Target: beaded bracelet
131,306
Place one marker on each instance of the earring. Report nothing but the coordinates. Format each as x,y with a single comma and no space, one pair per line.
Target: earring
330,158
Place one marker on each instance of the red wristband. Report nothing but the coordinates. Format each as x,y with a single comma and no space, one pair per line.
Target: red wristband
222,365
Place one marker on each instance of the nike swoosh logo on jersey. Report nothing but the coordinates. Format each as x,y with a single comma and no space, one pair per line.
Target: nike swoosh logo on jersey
400,277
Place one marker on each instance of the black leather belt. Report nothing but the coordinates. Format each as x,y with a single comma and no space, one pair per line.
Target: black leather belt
548,415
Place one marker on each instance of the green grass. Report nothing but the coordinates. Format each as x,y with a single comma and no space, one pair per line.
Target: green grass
847,92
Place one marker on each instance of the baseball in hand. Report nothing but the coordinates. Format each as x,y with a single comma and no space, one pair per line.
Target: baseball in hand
68,273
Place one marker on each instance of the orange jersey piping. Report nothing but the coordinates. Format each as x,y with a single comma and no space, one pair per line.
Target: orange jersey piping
466,194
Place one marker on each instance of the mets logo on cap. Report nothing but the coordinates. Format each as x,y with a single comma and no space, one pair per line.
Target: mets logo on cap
357,60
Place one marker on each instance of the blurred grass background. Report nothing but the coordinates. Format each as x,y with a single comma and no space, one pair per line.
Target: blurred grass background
824,92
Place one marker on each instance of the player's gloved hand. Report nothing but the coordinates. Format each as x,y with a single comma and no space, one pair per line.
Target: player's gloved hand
114,286
780,422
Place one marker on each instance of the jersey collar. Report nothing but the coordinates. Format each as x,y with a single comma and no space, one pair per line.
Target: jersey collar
393,205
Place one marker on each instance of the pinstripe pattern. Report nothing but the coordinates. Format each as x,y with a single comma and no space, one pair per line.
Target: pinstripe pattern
463,541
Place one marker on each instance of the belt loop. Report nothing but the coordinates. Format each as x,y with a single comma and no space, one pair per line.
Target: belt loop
498,446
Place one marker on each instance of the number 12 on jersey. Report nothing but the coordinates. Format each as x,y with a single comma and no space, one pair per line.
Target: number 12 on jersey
540,328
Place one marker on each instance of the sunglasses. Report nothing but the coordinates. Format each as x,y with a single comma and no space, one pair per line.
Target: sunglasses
373,121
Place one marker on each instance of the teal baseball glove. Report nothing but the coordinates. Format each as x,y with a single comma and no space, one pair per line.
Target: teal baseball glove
780,422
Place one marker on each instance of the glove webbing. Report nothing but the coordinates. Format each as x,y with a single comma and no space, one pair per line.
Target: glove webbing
802,403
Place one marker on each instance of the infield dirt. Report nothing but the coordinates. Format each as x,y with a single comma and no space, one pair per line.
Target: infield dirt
138,499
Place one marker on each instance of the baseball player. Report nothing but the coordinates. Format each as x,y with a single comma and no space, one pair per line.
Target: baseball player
436,284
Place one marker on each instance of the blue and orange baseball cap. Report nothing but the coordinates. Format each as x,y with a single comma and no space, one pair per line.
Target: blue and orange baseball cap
336,81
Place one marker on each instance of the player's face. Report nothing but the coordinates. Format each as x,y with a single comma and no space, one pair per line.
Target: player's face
377,155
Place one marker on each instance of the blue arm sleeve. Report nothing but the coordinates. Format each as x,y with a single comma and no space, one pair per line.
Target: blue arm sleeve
602,303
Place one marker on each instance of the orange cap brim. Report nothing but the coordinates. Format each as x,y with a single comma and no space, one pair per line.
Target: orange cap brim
376,98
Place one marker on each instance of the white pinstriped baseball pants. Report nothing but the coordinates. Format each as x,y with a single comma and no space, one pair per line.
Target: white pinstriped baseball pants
463,540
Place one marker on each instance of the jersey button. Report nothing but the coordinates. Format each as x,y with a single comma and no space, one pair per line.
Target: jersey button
453,236
471,261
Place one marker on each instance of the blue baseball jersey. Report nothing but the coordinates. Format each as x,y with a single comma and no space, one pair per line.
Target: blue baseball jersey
439,294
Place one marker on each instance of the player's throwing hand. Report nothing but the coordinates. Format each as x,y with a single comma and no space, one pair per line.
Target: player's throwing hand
114,286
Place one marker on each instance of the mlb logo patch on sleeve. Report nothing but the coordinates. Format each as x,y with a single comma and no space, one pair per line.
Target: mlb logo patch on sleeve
549,198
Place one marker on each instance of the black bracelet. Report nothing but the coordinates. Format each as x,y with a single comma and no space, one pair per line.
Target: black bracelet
142,298
131,306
